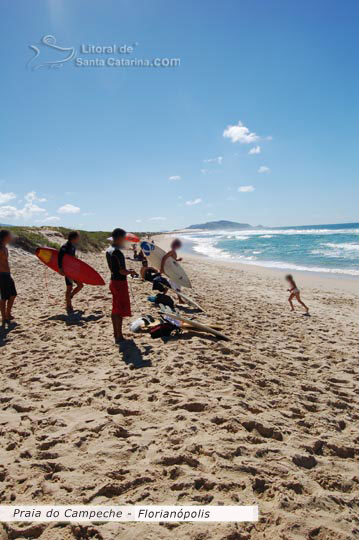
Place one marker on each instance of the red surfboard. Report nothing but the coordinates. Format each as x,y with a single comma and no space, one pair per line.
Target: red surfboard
73,268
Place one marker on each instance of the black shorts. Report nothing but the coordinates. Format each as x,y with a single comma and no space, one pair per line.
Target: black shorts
70,282
7,286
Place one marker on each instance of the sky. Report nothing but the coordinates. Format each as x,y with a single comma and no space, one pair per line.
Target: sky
246,110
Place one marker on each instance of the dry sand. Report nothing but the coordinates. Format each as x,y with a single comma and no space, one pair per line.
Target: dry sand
270,417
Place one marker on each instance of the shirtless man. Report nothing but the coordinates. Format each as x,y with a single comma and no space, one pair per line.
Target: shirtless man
148,272
176,244
7,285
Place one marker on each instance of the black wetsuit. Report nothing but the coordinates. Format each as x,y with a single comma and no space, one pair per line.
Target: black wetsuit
66,249
116,262
160,283
7,286
150,274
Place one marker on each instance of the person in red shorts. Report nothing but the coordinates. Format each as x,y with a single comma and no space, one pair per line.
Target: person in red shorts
121,306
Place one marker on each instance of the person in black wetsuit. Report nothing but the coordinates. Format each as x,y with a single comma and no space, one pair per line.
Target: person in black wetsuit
121,306
69,249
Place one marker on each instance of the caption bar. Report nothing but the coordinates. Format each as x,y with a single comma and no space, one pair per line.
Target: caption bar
128,513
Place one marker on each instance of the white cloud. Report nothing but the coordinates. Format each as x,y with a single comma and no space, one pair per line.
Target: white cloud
157,218
6,197
245,189
218,160
240,133
174,178
48,219
69,209
263,169
8,212
27,211
193,202
255,150
32,197
203,171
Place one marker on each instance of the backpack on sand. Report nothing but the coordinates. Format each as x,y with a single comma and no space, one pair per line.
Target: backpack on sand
163,330
165,300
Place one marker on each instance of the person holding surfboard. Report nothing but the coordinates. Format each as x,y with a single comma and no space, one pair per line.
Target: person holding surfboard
176,244
121,305
7,285
69,248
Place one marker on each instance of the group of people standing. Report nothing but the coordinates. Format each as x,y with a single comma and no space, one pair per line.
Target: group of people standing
121,305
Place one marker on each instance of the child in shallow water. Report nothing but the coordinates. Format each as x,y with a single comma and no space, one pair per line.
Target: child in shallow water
294,293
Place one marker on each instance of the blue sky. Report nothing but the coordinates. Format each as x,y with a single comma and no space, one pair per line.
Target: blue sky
258,123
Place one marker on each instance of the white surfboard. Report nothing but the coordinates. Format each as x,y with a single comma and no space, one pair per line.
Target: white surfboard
194,324
172,269
189,301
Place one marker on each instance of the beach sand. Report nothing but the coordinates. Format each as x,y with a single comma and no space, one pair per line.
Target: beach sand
270,417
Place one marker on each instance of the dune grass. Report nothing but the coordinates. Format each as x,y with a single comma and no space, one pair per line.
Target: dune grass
29,238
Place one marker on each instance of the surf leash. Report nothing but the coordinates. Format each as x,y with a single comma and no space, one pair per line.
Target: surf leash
133,296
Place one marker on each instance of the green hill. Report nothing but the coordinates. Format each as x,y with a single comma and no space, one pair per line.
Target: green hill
220,225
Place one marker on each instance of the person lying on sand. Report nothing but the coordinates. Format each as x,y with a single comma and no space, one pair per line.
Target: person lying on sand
294,293
141,256
138,255
7,285
121,306
69,248
148,272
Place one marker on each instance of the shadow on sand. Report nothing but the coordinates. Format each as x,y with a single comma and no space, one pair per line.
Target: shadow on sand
188,310
5,331
76,318
133,355
189,333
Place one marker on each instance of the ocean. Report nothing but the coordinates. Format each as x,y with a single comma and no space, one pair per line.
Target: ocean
330,249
